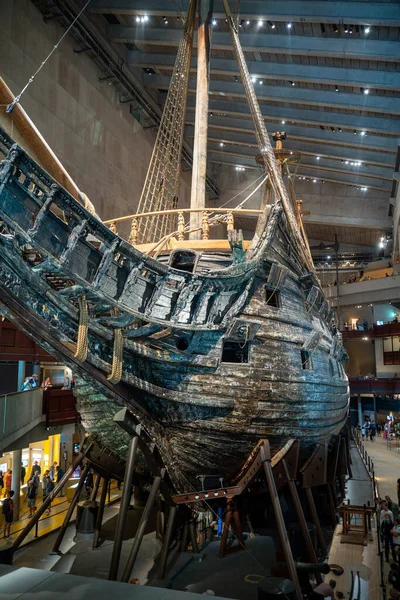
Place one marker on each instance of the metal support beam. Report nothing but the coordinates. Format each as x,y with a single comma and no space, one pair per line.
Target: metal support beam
71,509
124,505
358,49
266,459
167,542
141,529
315,519
100,513
295,95
301,518
374,79
95,488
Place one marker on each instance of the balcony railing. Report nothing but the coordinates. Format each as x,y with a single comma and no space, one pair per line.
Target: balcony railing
387,387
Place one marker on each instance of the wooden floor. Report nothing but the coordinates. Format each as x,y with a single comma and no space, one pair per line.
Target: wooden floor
387,465
353,557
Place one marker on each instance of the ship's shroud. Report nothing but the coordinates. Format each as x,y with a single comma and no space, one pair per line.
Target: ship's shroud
205,415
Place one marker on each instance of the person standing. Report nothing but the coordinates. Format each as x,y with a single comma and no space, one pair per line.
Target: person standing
31,497
52,471
8,512
393,506
45,481
23,473
59,476
36,480
372,431
1,483
49,489
7,481
386,531
394,580
35,467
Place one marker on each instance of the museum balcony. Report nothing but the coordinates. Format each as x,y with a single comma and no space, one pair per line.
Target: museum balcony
387,387
382,289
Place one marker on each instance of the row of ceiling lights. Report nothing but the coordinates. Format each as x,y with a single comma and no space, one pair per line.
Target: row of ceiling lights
364,91
261,23
314,180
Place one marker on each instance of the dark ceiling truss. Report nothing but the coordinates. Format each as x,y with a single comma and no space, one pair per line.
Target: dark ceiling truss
355,13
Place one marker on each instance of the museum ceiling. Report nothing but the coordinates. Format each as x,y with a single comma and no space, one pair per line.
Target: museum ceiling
327,73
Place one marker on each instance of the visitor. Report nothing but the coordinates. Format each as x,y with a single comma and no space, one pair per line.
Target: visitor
326,589
46,383
396,537
23,473
35,467
394,580
36,480
395,320
386,430
372,431
45,480
7,481
365,325
393,506
8,512
386,533
59,476
49,489
385,511
1,483
363,432
52,471
31,497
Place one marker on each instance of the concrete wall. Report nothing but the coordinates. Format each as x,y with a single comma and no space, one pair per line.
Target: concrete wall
361,357
19,413
100,143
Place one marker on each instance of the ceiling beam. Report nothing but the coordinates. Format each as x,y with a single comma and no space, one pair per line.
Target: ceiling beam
294,95
355,13
367,78
324,162
303,116
361,49
344,139
246,159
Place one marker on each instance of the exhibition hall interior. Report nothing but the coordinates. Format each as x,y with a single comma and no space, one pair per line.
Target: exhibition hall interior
200,299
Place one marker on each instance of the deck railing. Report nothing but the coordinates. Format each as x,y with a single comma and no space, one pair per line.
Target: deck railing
210,218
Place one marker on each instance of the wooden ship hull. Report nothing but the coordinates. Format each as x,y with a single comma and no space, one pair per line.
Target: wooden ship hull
210,353
208,364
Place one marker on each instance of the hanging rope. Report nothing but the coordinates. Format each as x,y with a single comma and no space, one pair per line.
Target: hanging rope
116,369
82,343
16,100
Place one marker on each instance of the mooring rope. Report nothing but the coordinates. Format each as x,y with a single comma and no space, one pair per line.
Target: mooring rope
82,342
116,369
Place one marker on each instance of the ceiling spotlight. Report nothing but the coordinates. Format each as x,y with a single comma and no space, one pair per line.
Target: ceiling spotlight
318,157
367,30
214,22
272,25
260,82
283,122
253,79
351,29
335,28
145,18
314,181
329,257
355,132
138,19
336,88
289,25
236,78
165,20
247,22
346,29
333,129
363,133
260,23
340,130
366,92
346,162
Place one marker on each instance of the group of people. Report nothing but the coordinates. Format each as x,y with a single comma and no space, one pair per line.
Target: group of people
369,430
50,477
32,382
